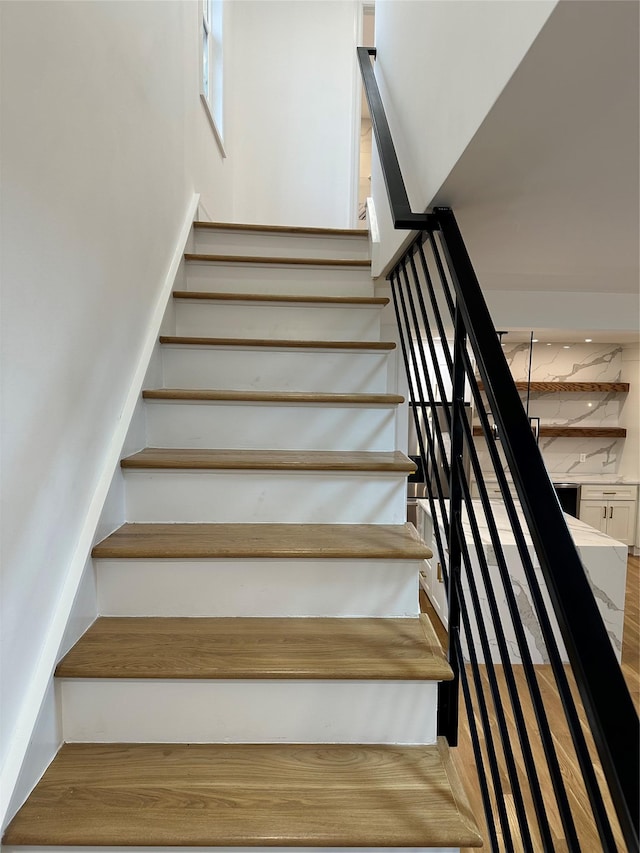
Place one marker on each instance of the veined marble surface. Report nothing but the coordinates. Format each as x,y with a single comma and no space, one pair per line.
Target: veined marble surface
565,363
578,362
604,561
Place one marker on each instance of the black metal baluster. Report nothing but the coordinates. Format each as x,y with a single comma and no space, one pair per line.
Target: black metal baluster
496,620
412,396
448,691
430,342
501,719
494,767
434,304
446,287
575,727
435,425
427,378
528,666
477,752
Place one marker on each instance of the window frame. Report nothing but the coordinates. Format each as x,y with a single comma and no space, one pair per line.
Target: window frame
212,89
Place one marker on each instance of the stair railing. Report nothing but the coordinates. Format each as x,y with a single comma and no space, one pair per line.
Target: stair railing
434,290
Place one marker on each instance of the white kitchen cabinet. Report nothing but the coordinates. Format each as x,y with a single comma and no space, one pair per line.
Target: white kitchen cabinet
610,509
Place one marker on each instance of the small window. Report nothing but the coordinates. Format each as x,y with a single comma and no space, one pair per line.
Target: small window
211,66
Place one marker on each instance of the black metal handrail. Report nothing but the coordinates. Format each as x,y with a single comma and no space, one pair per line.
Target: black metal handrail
436,264
403,216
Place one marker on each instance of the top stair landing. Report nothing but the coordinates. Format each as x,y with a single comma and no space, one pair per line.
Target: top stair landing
278,260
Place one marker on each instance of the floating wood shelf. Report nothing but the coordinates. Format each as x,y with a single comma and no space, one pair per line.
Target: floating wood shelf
574,432
563,387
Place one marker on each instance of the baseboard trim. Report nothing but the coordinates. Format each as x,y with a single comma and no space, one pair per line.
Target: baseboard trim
20,737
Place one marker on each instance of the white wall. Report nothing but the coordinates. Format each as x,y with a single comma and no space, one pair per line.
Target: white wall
104,141
440,67
293,112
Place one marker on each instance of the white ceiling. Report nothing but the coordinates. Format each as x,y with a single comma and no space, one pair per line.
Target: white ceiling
547,192
570,336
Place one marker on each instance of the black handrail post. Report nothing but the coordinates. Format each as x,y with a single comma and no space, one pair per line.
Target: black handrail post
449,691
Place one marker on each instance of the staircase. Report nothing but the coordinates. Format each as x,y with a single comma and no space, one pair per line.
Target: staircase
204,708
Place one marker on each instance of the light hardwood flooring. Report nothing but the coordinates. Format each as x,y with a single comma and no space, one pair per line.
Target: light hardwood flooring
464,760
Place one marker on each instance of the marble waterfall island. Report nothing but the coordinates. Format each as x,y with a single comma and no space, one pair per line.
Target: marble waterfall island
604,560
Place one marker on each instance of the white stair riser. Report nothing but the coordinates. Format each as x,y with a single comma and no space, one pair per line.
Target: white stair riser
247,243
262,426
275,370
248,711
274,279
258,587
81,849
223,319
253,497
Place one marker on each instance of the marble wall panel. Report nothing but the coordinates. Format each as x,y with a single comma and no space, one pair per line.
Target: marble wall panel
570,363
565,363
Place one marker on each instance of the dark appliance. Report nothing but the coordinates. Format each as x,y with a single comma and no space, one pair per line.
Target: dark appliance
569,497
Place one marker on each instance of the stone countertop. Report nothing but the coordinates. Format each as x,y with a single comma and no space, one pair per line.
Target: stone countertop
603,558
584,479
583,535
594,479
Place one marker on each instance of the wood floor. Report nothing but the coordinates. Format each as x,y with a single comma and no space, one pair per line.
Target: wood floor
464,759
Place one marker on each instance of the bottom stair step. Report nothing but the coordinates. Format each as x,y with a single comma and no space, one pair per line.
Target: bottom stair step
202,795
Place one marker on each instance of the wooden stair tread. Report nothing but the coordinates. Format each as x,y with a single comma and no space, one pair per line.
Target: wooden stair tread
292,397
257,648
274,343
284,541
212,795
278,261
292,299
269,460
282,229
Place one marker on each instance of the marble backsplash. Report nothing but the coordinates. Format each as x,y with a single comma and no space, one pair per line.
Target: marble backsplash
582,362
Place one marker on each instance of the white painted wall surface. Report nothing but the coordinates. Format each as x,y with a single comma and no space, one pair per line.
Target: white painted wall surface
104,141
293,113
440,67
